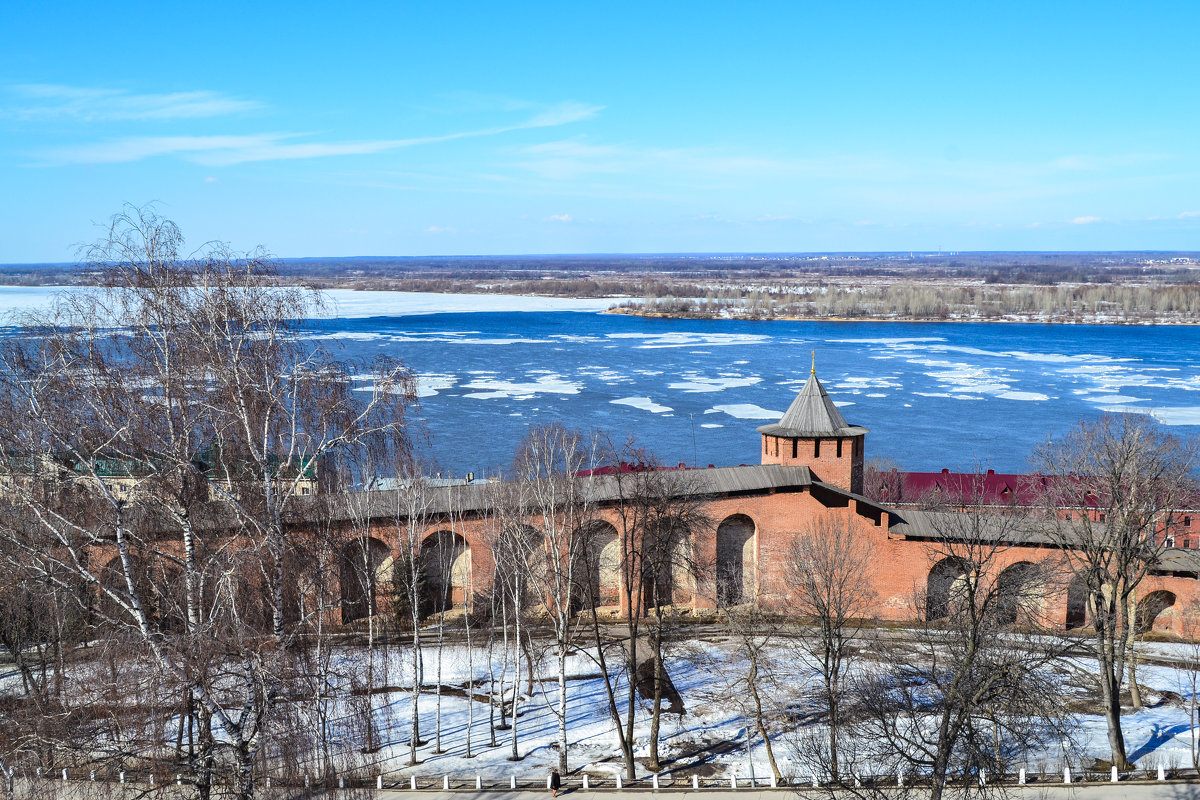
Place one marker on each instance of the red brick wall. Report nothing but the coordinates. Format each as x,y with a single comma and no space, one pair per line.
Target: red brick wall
821,456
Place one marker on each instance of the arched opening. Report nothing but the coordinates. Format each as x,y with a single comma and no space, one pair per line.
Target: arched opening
445,571
945,587
599,579
1077,602
1149,609
1019,590
666,555
735,560
366,567
683,573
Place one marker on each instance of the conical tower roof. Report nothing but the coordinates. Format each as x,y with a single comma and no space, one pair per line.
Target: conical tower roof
812,415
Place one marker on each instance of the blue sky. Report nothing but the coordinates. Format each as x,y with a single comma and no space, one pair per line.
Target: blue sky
412,129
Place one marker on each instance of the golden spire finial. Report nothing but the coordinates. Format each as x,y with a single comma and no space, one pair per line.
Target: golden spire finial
814,366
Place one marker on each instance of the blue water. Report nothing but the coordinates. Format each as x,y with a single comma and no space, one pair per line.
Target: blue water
933,395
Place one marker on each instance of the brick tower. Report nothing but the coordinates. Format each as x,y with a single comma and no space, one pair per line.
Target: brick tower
813,433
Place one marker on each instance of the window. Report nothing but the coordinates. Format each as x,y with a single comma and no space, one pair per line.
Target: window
1169,541
795,446
839,448
1187,522
817,449
1101,516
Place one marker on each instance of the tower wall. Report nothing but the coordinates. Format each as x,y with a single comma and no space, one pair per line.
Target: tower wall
836,460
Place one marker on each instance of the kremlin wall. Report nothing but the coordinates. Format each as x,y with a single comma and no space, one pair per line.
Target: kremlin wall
811,475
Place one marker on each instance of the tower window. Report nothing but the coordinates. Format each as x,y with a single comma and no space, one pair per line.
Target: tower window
817,449
839,448
795,447
766,446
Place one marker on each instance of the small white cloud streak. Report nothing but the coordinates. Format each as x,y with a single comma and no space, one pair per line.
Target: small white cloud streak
45,101
1083,220
223,151
558,218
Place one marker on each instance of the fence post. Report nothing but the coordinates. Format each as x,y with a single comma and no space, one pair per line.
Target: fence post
151,778
585,782
899,779
120,777
445,783
341,782
1066,774
547,781
695,781
1114,773
478,783
816,783
1162,773
512,781
620,783
412,783
654,781
1021,780
733,781
774,780
307,781
982,778
268,781
378,781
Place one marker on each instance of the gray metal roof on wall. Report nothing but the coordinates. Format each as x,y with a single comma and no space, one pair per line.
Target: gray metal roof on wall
812,415
1012,530
474,498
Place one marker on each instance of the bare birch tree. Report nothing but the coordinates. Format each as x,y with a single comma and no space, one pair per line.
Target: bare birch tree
828,571
180,381
560,508
1114,486
976,684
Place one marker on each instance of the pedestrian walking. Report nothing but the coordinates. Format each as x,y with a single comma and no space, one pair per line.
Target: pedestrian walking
555,782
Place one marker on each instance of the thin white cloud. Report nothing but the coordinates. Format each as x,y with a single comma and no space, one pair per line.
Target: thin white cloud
1188,214
558,218
1093,163
1083,220
222,151
45,101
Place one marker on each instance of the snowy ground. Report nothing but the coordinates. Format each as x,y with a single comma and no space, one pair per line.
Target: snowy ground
708,740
